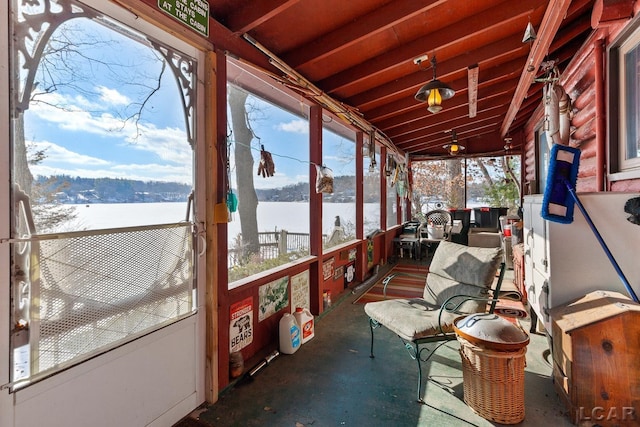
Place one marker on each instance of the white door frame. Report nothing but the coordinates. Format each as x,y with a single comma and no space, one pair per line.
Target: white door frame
154,380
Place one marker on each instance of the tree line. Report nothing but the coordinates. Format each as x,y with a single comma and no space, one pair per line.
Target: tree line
67,189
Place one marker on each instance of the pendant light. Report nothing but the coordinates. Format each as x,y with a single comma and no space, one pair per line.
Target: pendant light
434,92
454,148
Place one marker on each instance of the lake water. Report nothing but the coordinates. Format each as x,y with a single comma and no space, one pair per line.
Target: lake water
290,216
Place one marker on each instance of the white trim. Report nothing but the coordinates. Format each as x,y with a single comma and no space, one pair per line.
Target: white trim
631,43
6,403
200,211
132,20
88,366
122,387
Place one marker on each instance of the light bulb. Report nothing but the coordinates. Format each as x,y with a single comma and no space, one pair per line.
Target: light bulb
434,100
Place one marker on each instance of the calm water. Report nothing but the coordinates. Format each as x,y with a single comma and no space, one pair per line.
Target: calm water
290,216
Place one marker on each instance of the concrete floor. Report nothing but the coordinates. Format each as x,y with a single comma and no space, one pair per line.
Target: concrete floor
332,381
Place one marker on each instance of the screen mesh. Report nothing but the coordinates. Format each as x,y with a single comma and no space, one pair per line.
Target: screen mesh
91,291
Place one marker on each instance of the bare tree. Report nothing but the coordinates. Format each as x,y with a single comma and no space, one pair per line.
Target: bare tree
65,58
247,198
440,180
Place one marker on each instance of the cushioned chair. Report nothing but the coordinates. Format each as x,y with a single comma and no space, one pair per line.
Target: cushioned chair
459,282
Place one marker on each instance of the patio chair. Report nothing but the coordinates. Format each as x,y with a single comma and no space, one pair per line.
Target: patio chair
459,282
437,227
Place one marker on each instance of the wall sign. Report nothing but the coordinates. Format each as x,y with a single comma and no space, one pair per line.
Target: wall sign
327,268
300,291
192,13
273,297
241,324
349,274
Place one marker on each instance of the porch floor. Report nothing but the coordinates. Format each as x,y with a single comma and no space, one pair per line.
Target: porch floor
332,381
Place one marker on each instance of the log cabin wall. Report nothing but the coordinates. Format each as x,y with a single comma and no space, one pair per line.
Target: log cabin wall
585,81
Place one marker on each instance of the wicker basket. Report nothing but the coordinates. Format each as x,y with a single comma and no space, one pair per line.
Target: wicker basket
493,382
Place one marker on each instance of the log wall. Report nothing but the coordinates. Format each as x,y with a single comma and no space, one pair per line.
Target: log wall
585,85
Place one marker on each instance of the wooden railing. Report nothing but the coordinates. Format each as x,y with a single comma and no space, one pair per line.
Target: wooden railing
273,244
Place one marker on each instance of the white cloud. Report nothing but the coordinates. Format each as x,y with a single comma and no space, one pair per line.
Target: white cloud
294,126
55,153
112,96
167,143
169,153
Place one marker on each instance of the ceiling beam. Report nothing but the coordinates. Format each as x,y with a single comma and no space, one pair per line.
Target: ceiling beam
375,22
556,10
433,129
486,56
483,135
244,19
399,125
460,31
497,76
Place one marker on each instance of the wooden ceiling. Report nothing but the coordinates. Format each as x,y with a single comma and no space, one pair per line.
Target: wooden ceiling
361,53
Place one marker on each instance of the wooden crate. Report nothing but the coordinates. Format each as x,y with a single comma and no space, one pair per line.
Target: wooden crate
596,343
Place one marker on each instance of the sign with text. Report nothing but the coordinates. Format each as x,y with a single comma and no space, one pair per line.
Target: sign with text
193,13
300,291
241,324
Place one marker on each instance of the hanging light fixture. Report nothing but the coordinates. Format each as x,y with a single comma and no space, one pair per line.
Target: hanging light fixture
454,148
507,144
435,91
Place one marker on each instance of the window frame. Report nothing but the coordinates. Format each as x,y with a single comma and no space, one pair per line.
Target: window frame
541,159
331,128
620,167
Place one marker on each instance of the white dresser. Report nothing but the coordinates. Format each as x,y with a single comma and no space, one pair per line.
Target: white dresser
565,261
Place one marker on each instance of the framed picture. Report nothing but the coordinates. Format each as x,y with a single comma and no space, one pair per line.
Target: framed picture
327,268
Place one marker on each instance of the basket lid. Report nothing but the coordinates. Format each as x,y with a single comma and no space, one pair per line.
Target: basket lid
491,331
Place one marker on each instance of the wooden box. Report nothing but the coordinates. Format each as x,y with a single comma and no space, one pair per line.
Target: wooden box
596,358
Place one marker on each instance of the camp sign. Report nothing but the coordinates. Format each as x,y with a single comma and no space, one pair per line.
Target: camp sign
193,13
241,325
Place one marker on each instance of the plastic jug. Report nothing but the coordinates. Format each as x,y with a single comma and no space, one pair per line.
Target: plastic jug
305,321
289,334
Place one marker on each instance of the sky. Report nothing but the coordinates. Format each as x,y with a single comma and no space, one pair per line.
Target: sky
77,119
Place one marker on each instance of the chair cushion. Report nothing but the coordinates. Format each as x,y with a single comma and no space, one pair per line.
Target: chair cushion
464,264
456,270
409,318
439,289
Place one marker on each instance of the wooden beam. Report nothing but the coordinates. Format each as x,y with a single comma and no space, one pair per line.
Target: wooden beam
462,30
376,22
555,13
487,56
607,12
244,19
502,75
472,79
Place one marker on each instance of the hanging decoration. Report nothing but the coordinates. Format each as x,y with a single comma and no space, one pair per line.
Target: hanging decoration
557,108
266,167
324,180
390,166
400,180
232,201
372,152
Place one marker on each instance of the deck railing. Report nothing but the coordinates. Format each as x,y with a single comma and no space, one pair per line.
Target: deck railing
273,244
